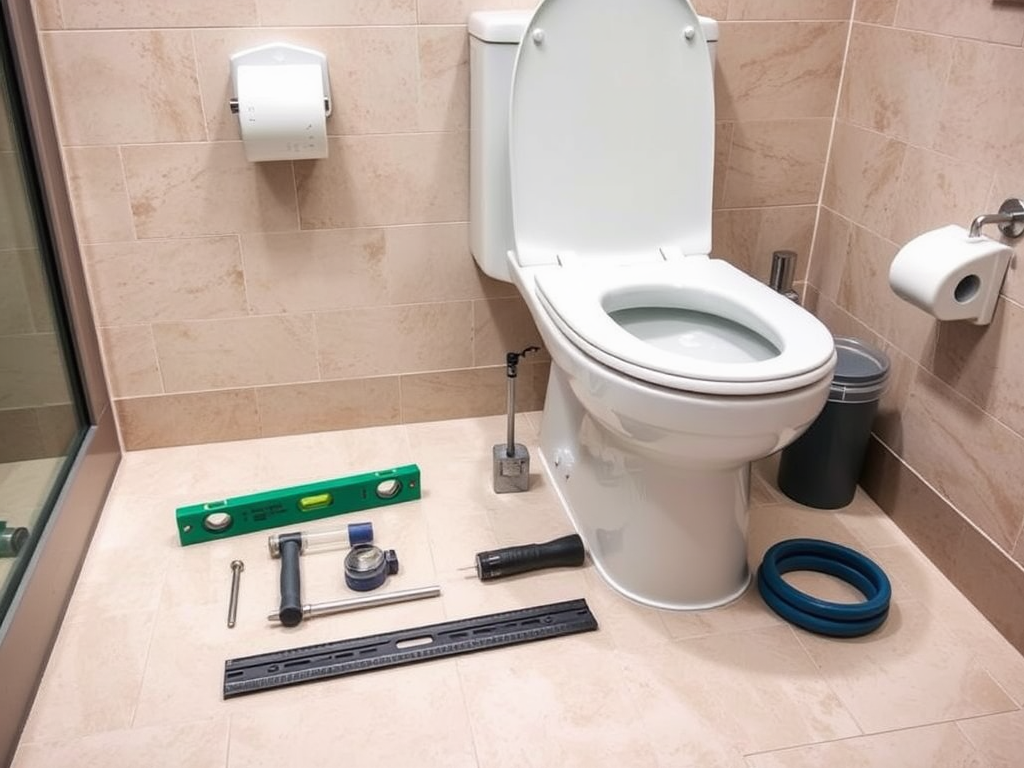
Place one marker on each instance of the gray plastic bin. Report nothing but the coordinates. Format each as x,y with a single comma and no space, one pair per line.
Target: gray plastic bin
821,467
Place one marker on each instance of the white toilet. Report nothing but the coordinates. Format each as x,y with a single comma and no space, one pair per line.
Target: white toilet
591,174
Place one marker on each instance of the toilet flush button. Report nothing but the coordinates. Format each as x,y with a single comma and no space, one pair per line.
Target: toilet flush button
538,36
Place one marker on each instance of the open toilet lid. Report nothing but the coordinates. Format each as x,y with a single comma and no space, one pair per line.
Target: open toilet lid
611,129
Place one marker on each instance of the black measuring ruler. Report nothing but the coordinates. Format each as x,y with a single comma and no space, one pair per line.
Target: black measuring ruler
262,672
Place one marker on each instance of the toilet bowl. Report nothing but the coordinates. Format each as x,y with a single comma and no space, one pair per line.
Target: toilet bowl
672,370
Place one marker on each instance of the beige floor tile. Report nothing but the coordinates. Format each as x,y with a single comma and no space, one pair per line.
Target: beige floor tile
936,746
660,688
912,671
757,690
1000,738
202,744
559,702
411,716
92,679
921,579
749,612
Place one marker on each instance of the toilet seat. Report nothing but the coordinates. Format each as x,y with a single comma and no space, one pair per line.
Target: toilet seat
794,353
611,130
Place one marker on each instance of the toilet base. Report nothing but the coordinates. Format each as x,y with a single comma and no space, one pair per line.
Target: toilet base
662,534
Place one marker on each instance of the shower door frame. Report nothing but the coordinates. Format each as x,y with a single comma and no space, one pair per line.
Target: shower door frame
30,627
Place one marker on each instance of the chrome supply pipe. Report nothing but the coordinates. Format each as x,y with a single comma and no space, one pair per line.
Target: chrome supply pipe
367,601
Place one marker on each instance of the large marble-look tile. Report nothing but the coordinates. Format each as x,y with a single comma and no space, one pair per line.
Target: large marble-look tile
889,84
979,19
198,417
981,118
966,455
315,271
31,371
91,683
331,13
778,70
828,256
374,78
48,14
130,361
992,581
236,352
141,88
582,689
999,738
910,672
444,78
426,724
15,304
501,326
199,744
98,194
374,341
165,280
776,162
83,14
910,569
457,11
935,191
863,177
188,190
778,10
865,293
747,237
395,179
470,392
875,11
432,262
983,363
739,688
933,746
16,222
328,405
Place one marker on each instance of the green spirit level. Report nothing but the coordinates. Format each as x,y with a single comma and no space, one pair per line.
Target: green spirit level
287,506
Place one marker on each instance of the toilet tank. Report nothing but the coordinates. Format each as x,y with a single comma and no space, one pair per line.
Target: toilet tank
494,38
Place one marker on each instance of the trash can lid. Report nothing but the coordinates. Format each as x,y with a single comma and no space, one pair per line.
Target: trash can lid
861,370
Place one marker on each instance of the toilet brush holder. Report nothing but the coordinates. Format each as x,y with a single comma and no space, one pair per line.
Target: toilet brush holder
511,460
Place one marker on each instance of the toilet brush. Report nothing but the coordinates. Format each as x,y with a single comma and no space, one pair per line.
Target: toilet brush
511,460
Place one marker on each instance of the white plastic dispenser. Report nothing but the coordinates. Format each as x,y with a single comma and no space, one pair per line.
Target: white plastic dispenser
282,98
951,275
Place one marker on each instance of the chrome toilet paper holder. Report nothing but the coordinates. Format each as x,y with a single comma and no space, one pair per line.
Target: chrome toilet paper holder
1010,219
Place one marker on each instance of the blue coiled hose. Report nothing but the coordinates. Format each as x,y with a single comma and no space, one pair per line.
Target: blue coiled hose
822,616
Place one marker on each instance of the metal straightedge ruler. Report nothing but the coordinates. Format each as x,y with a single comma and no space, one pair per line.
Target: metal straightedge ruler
298,504
250,674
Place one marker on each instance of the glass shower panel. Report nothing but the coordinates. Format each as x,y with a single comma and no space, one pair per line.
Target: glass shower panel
41,416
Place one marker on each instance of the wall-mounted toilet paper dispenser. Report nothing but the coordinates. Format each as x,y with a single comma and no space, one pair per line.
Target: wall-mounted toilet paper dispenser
282,99
955,274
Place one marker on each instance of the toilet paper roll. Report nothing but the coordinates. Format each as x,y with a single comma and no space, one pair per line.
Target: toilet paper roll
281,111
950,274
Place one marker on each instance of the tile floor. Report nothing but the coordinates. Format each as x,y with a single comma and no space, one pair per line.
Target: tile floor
135,678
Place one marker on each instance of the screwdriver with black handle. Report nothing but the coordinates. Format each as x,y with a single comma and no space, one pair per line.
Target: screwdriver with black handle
509,561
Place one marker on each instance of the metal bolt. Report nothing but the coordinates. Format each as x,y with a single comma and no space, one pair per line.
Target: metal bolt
237,566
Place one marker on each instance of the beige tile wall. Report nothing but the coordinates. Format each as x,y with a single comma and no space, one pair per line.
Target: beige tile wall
930,131
35,409
238,299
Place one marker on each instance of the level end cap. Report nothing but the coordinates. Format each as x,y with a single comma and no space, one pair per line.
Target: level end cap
360,533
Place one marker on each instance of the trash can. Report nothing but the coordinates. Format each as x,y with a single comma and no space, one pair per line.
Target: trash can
821,467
